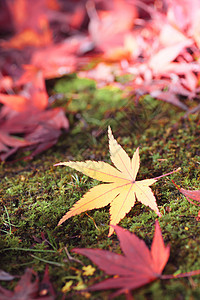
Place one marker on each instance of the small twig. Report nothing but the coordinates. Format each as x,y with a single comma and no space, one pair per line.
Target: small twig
70,258
93,221
175,185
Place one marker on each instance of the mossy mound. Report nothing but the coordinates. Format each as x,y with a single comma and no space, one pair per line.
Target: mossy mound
35,195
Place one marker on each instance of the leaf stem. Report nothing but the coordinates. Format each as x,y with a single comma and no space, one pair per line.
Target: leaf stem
187,274
167,174
175,185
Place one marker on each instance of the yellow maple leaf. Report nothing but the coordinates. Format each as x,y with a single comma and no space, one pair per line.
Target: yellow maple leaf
122,190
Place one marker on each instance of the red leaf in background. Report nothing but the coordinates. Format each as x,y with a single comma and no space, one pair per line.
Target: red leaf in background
15,102
6,83
136,268
28,288
31,29
157,43
57,60
153,42
40,129
108,28
34,29
102,73
27,115
170,35
169,97
33,96
29,38
183,14
23,19
162,58
25,289
38,97
192,194
6,276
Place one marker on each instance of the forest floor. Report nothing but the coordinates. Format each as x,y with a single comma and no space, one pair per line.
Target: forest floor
35,194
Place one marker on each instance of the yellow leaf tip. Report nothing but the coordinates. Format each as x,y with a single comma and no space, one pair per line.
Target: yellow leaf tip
111,230
109,131
65,163
58,164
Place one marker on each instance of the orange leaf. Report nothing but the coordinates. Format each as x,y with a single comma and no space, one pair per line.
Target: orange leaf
16,102
122,190
28,38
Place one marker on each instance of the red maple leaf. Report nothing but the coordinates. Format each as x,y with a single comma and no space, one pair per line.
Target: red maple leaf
137,267
110,28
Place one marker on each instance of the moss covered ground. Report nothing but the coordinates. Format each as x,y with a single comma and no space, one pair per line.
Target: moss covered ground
35,194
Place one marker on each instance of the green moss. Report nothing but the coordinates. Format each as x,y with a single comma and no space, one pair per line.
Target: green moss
35,195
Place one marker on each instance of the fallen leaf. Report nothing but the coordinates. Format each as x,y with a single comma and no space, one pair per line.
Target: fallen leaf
28,38
57,60
15,102
67,287
46,290
137,267
170,35
6,276
32,29
6,83
192,194
161,59
109,27
27,115
29,288
33,96
122,190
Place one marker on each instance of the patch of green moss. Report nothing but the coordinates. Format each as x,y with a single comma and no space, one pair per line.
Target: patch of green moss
35,195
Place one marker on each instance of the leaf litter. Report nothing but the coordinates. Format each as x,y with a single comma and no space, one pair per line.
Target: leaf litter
29,288
157,44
